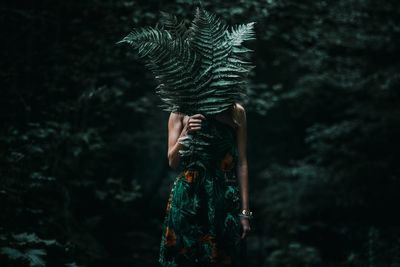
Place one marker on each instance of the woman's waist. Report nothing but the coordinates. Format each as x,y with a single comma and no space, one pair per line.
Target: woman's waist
213,171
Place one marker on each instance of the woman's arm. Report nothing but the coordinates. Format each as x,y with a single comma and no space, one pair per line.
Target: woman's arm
177,129
242,169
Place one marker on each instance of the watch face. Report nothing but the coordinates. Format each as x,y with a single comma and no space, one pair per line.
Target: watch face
246,212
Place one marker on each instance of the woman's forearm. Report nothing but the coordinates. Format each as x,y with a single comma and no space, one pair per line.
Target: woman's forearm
243,178
173,154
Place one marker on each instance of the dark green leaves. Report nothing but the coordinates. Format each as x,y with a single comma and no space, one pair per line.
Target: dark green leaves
200,69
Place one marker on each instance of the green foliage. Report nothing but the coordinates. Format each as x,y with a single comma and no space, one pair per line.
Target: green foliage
200,69
83,152
294,254
27,249
33,256
331,171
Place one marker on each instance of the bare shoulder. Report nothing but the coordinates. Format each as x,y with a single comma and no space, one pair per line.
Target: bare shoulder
176,119
241,113
240,107
175,116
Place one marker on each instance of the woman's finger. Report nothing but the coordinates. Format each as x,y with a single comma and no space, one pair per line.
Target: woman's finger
243,235
195,120
194,129
245,232
191,124
194,125
201,116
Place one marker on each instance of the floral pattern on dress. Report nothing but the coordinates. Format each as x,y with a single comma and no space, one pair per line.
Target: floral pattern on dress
202,224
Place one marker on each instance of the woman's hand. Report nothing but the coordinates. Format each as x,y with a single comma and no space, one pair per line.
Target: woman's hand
245,226
178,127
193,123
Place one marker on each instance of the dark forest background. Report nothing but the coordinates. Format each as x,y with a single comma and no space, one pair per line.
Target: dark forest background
84,175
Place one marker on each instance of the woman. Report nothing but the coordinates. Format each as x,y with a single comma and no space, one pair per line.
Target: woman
207,214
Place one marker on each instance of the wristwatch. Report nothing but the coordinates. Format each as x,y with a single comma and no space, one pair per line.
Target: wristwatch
246,214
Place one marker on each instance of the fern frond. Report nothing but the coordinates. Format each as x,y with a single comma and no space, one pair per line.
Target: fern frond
240,33
170,23
171,61
200,69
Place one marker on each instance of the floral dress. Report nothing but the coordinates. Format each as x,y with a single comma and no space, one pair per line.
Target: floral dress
201,225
